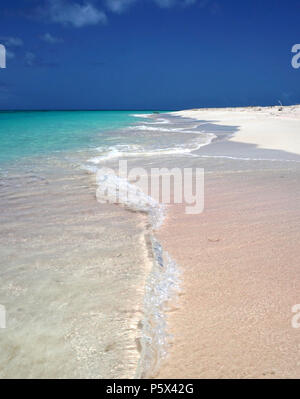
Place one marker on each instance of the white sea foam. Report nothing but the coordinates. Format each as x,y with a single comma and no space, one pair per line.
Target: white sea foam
144,127
156,120
163,280
124,151
89,168
115,189
142,115
162,129
116,151
159,121
161,286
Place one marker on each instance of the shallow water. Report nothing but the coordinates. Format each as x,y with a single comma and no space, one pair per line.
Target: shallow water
72,275
84,283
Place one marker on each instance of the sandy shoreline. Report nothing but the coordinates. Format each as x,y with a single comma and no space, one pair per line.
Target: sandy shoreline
97,269
275,128
239,258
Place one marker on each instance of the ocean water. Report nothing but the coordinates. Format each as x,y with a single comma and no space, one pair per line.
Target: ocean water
84,282
31,133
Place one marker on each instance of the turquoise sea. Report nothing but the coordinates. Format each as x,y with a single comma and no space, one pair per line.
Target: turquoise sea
35,133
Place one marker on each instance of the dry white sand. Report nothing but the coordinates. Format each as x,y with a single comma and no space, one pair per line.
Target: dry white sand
276,128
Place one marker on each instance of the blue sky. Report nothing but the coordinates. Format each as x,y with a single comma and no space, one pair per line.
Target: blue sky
148,54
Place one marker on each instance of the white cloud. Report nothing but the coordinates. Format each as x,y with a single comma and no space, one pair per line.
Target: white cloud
118,5
30,58
48,38
121,5
214,6
10,54
12,41
78,15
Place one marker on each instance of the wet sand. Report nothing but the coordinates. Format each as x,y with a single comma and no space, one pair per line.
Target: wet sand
240,268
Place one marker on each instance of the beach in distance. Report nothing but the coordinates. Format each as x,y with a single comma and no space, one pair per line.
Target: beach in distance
99,286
